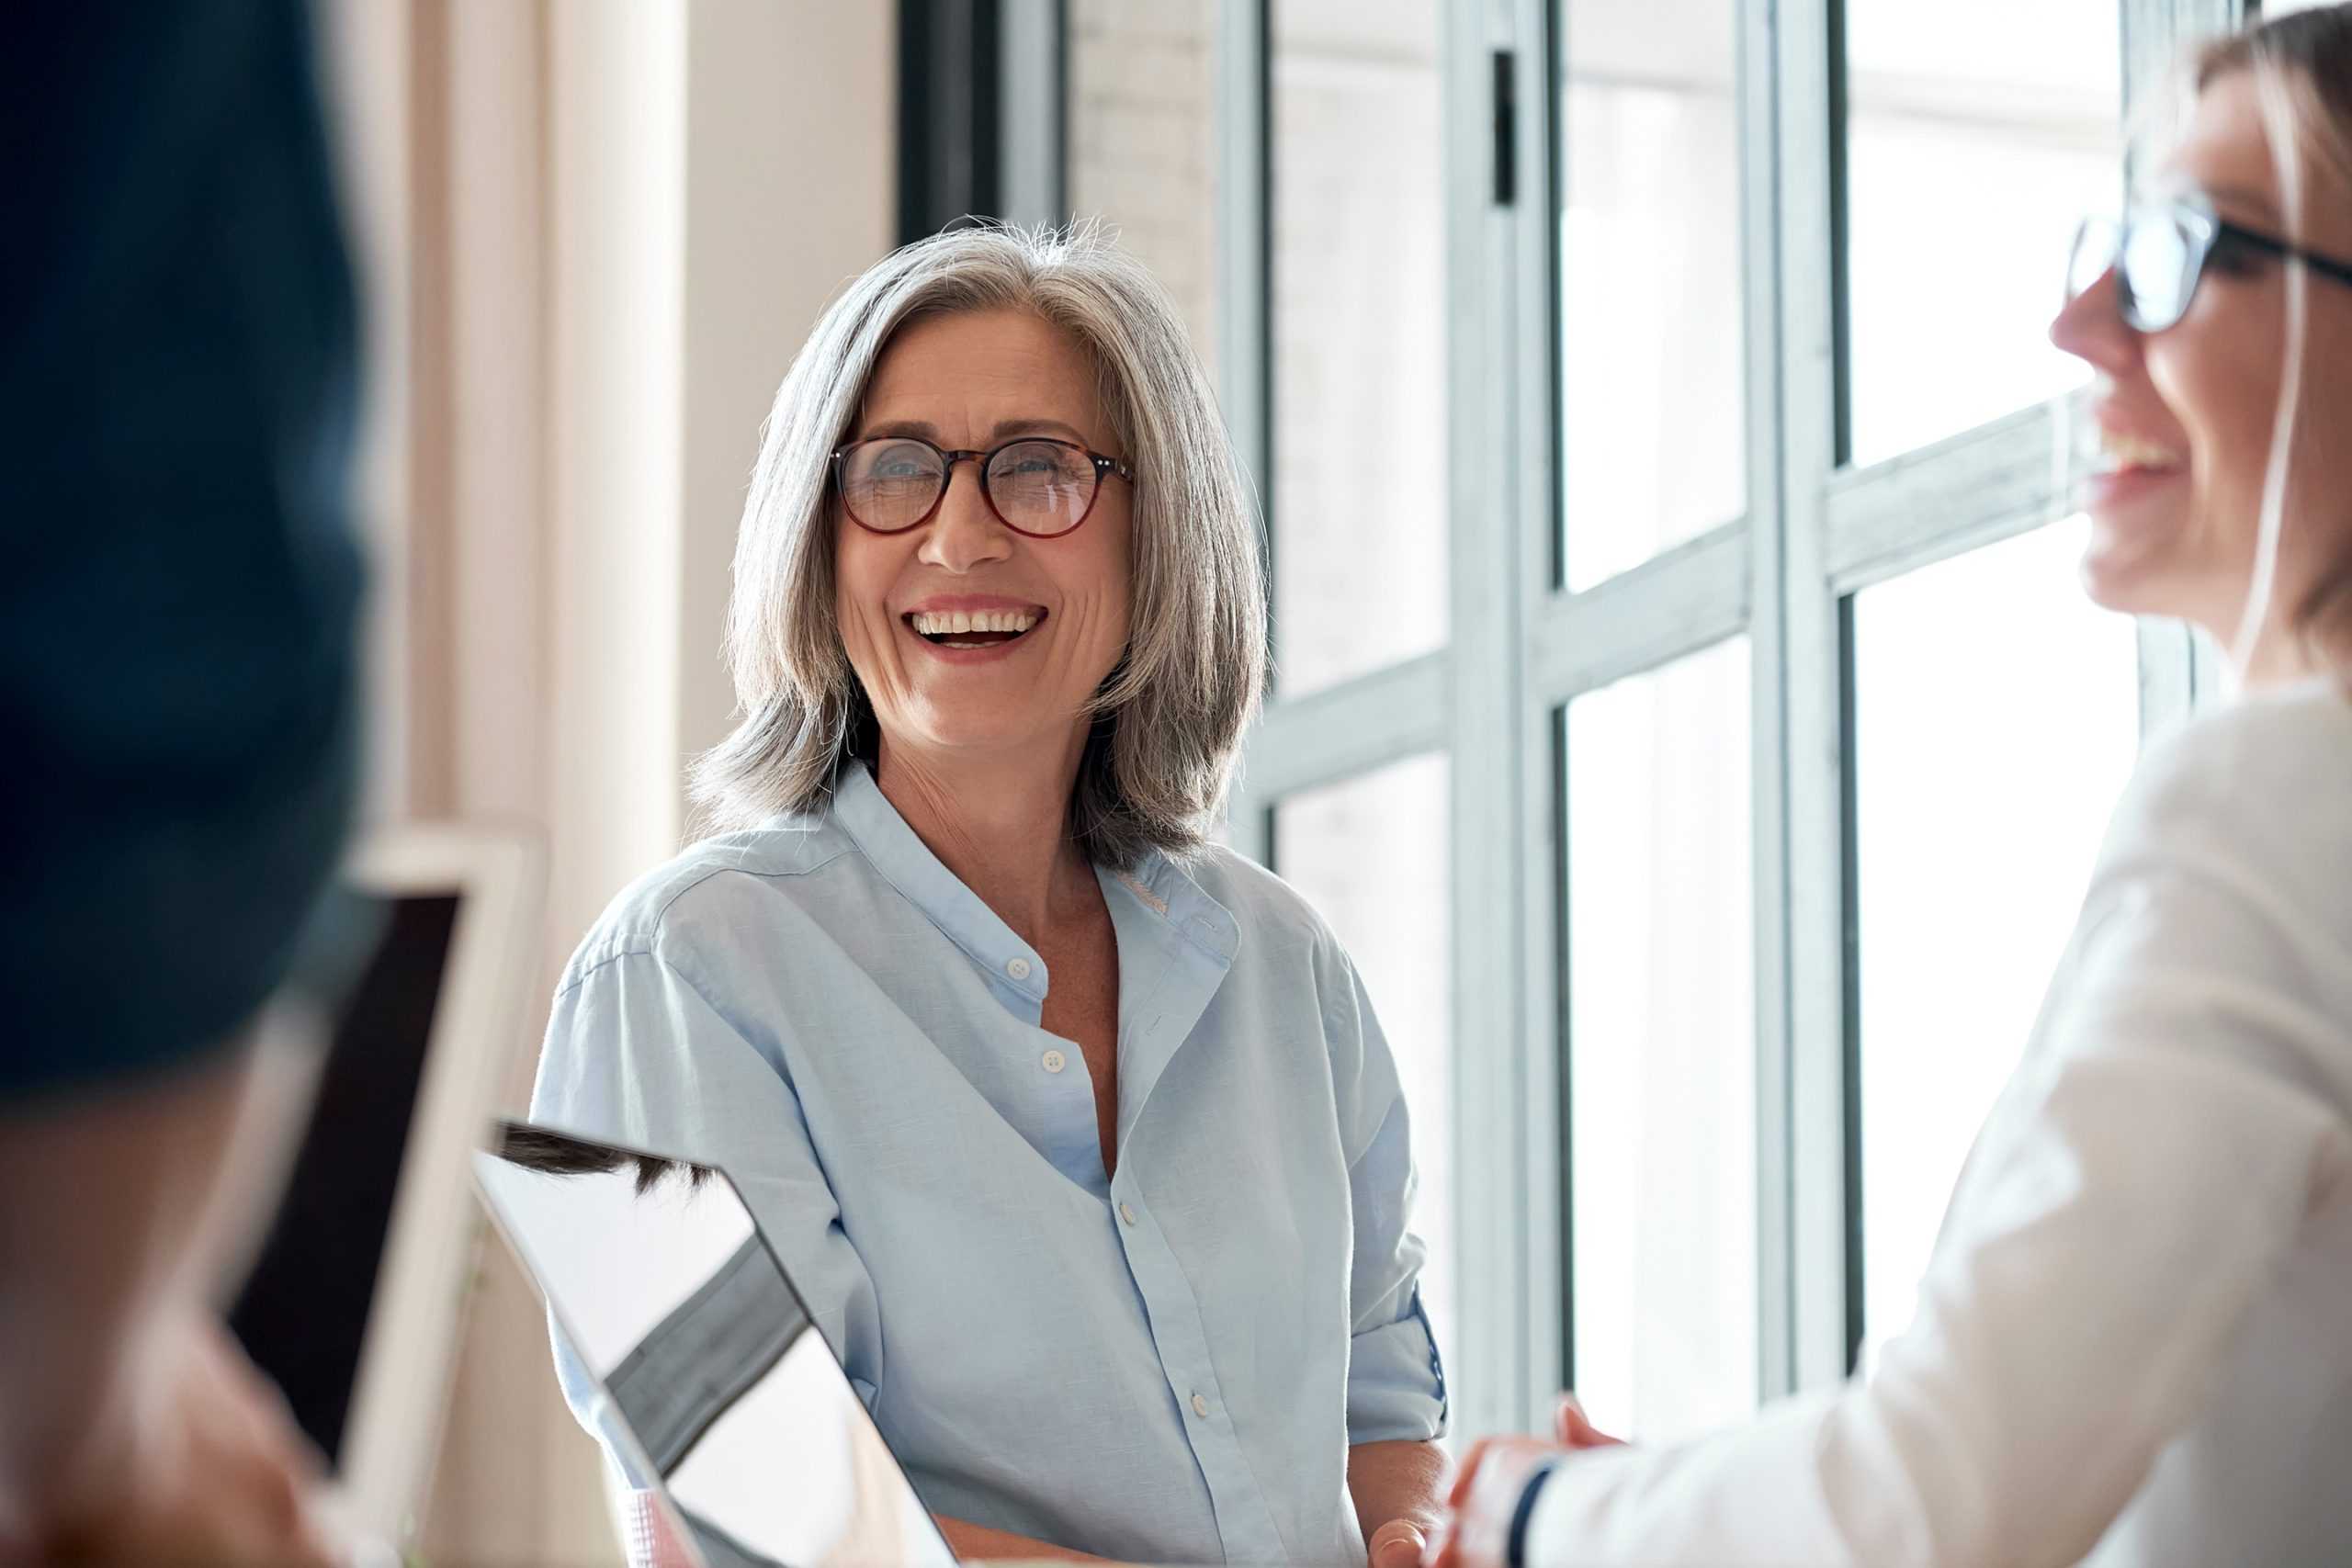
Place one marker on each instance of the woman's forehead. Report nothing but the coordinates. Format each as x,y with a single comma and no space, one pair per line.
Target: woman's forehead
2226,153
968,373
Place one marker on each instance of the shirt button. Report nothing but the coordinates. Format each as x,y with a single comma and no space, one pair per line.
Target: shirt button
1127,1213
1055,1061
1017,969
1199,1405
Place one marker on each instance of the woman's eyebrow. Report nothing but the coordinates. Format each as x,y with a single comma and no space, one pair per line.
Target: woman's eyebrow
1006,430
919,429
2254,204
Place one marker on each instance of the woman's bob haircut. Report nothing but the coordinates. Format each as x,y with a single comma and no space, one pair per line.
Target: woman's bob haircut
1167,721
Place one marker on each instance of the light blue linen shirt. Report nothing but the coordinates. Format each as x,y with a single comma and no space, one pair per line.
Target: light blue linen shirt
1166,1366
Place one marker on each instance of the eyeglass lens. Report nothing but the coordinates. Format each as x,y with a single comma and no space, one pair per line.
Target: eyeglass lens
2155,261
2157,270
1038,487
2097,244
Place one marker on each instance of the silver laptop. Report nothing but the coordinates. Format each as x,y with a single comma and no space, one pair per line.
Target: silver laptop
685,1347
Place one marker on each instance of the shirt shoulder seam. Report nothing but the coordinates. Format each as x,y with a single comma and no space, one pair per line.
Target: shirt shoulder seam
662,915
645,941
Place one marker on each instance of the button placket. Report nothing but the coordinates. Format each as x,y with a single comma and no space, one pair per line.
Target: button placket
1182,1347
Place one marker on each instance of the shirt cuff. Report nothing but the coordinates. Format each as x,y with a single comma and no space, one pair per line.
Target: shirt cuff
1396,1383
1515,1545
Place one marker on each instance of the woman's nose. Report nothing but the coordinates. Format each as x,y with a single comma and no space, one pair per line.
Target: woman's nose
965,532
2092,328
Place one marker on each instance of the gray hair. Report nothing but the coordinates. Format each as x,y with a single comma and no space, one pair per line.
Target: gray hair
1167,721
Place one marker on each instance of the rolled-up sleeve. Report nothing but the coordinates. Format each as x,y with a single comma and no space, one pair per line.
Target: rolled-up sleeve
1396,1382
637,1053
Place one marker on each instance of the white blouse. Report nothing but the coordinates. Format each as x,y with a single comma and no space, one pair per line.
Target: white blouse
2133,1344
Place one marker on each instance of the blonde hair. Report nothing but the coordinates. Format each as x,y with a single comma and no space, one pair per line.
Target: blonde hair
1167,722
2301,65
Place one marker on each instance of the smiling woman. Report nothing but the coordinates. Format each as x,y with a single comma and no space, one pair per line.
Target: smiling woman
962,632
998,628
1055,335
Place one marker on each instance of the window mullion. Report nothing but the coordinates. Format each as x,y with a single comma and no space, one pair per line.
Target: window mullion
2180,671
1490,867
1805,961
1534,335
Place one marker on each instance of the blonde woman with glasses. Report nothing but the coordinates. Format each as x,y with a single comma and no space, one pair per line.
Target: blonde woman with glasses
1076,1131
2133,1344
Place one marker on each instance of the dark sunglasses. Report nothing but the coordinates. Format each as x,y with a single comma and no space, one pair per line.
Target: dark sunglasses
1035,486
2158,253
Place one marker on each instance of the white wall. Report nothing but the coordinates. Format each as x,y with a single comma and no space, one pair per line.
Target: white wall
791,191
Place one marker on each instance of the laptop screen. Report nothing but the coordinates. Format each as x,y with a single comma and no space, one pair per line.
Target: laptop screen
686,1335
303,1311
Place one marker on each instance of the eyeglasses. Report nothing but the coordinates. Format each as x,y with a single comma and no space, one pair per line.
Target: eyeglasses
2159,253
1035,486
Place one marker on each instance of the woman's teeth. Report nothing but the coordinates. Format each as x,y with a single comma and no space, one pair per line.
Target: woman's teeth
1004,623
2124,453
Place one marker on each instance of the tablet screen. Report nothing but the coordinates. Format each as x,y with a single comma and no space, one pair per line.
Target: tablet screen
304,1312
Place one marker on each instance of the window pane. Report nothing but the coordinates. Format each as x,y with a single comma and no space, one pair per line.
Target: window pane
1142,142
1970,163
1661,1052
1652,347
1359,360
1996,716
1389,911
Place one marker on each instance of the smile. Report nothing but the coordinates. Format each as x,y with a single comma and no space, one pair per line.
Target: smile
2122,453
973,629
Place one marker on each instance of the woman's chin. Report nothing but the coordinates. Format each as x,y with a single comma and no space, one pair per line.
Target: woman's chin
967,732
2113,585
2126,566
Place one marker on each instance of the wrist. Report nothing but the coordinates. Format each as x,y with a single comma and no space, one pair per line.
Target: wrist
1524,1512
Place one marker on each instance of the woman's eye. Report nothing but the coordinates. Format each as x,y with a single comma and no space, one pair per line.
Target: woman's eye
2234,257
1031,465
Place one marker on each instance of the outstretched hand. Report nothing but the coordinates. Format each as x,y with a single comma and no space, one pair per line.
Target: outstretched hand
219,1473
1485,1499
1573,1431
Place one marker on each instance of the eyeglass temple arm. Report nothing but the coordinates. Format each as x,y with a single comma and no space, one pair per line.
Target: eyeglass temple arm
2326,266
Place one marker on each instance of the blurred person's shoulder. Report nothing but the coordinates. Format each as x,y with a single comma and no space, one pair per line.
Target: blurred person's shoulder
2257,793
2259,771
715,894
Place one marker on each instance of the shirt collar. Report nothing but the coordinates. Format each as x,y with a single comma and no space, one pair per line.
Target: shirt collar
905,861
1179,901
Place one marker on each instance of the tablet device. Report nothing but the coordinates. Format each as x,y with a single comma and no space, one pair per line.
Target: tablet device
353,1305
